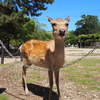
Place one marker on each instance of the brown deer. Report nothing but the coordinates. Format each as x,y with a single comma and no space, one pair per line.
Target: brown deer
47,54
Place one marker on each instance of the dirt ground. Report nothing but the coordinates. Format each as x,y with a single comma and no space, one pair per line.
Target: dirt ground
10,82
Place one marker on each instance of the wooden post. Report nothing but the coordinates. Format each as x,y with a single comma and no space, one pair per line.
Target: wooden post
2,55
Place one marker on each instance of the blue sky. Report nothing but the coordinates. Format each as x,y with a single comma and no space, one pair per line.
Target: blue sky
72,8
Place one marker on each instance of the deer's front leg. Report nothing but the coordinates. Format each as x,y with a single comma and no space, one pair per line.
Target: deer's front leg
50,73
24,81
56,73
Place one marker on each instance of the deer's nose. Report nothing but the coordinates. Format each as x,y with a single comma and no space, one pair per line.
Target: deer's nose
62,32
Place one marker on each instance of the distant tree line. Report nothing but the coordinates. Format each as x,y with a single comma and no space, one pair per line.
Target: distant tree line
87,31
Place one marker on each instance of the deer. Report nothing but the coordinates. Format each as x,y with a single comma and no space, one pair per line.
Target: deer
46,54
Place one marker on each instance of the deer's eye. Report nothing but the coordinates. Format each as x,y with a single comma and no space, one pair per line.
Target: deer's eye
53,24
67,24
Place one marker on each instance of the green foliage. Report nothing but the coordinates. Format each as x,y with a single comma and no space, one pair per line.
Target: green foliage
70,38
16,41
88,30
40,33
87,25
90,37
12,14
12,18
32,29
28,29
29,7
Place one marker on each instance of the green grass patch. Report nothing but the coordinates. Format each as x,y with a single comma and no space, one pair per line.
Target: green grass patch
35,75
83,73
30,81
90,62
81,54
54,87
75,50
3,64
3,97
94,54
16,78
94,69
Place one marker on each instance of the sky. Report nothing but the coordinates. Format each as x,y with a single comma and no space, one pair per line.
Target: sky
72,8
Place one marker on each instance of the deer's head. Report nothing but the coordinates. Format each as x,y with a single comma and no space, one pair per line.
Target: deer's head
59,26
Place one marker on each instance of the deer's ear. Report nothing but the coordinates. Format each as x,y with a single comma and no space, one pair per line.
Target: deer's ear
68,18
49,18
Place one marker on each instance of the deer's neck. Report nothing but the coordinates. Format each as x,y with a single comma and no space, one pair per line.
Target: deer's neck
59,55
59,47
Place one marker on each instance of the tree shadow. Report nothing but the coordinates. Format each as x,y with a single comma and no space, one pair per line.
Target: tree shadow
42,91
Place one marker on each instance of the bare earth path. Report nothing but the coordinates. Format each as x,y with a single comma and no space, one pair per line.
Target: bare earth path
10,82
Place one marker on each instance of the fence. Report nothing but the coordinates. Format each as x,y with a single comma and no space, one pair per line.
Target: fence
3,49
46,69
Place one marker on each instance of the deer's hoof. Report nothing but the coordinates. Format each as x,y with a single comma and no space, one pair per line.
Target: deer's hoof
27,95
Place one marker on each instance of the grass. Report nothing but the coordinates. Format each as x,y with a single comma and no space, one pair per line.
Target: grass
16,78
84,72
30,81
37,76
75,50
75,54
54,87
3,64
3,97
34,76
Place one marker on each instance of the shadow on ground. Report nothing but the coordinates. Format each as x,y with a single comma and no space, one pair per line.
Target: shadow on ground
42,91
2,90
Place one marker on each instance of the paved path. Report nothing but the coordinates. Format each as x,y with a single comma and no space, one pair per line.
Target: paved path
9,59
71,53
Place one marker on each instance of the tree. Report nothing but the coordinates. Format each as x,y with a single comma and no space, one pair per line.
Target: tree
12,14
28,29
70,38
11,30
88,25
40,33
28,7
32,30
35,30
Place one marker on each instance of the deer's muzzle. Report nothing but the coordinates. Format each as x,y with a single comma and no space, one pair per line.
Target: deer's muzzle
62,32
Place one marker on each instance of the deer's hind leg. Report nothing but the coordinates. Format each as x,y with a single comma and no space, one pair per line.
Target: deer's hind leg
24,79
